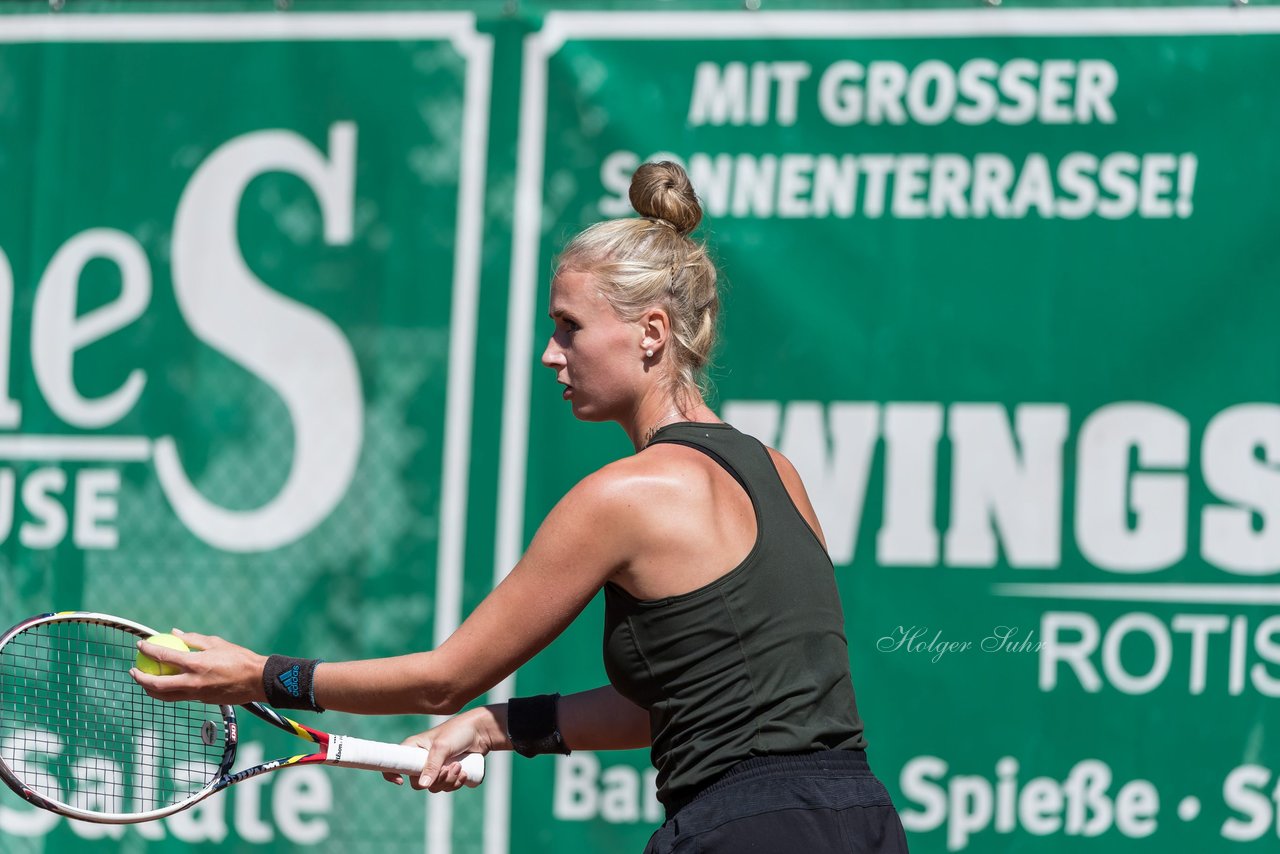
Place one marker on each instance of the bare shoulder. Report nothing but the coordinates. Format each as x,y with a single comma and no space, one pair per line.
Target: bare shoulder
619,486
660,468
651,484
625,504
594,523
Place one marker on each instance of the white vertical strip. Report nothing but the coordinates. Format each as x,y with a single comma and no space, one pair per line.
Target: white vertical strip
462,335
527,232
477,50
497,799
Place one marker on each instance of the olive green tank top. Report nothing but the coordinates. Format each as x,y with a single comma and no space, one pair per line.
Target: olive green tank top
754,663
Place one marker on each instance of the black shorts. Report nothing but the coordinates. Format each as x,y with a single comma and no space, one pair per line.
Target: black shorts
815,802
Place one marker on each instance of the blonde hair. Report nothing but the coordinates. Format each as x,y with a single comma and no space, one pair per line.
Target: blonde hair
640,263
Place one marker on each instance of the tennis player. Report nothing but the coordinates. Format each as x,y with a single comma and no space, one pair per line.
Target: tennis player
724,636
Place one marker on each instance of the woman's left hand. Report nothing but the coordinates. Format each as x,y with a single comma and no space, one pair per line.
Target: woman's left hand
214,671
468,732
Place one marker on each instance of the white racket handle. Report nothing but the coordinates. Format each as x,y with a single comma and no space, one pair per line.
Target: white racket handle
348,752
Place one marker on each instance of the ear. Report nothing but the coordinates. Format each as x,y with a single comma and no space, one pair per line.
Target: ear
655,327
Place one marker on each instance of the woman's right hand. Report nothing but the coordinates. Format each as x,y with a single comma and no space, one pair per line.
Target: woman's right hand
478,730
213,671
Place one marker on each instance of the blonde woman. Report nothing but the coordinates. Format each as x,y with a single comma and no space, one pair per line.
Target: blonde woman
724,637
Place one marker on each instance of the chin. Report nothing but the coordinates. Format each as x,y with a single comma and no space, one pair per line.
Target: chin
587,412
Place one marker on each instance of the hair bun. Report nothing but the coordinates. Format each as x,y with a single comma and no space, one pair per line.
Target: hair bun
663,191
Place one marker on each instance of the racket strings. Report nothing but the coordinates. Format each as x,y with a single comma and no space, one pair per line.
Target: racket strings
76,729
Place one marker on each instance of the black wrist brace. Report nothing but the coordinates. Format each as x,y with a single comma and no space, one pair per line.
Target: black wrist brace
532,725
289,683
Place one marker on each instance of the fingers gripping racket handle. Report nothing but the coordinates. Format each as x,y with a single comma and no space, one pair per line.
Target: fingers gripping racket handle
347,752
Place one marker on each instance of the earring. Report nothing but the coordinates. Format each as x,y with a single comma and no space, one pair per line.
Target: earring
648,354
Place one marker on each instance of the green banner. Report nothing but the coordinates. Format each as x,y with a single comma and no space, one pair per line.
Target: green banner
1000,283
243,263
999,286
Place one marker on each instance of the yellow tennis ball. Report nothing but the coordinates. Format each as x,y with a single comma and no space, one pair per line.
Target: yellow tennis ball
147,664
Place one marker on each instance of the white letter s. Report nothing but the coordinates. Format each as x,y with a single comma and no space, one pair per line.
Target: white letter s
301,354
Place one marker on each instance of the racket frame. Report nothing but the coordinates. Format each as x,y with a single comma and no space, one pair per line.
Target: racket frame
340,750
229,730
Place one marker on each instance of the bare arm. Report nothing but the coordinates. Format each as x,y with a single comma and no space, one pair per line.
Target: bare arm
599,719
565,565
603,719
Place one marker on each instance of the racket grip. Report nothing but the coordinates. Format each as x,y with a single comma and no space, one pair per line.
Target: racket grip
348,752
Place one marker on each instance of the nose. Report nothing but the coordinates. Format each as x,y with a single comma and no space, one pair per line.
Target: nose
552,356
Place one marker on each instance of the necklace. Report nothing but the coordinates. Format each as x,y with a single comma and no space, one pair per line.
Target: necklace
648,436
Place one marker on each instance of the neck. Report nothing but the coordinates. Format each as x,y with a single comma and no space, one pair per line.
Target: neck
670,418
660,410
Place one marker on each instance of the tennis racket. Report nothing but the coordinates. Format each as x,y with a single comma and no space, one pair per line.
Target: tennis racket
80,738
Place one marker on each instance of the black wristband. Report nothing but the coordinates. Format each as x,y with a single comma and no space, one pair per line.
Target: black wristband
290,683
532,725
